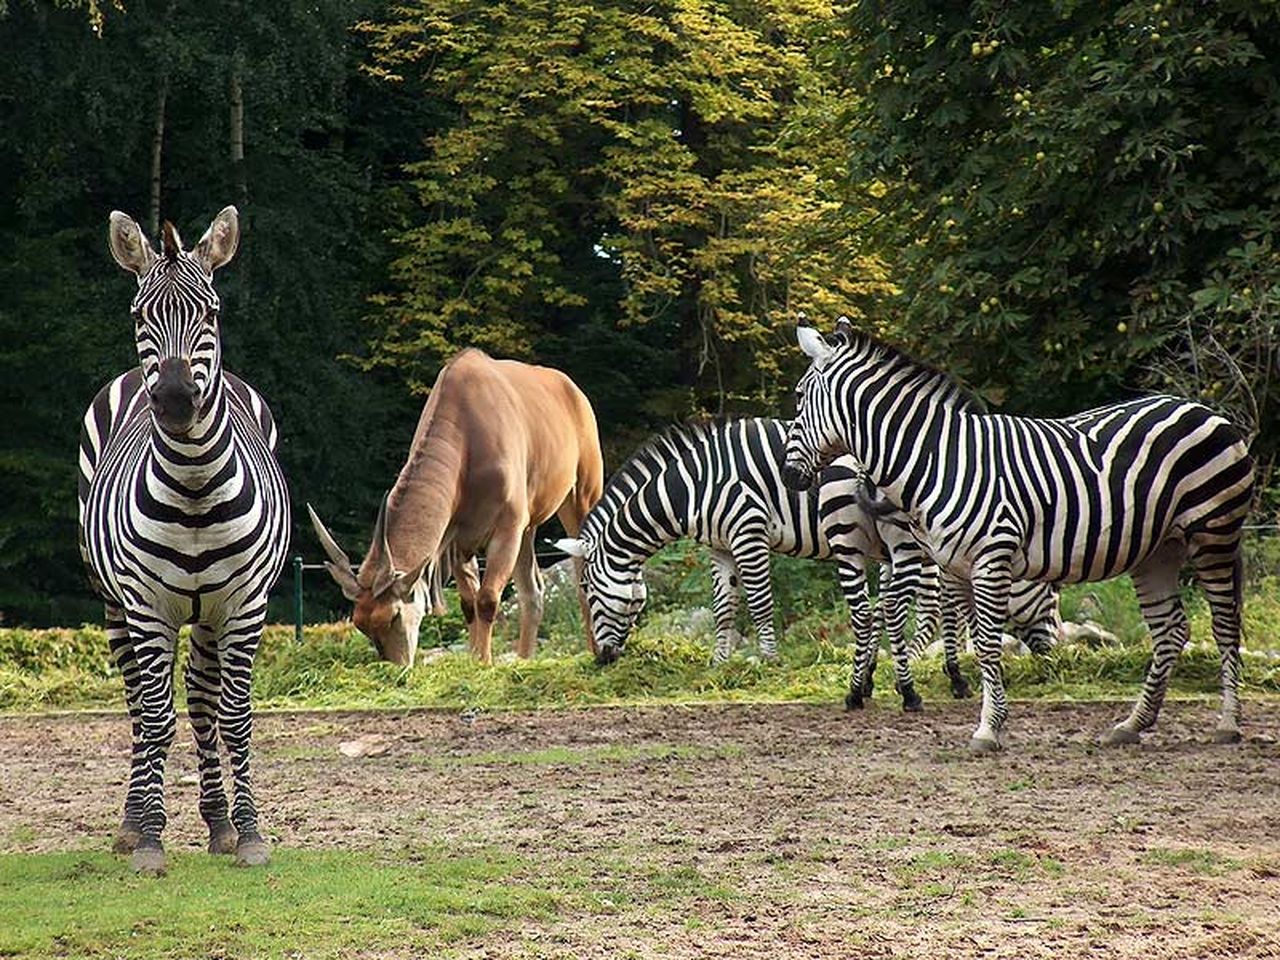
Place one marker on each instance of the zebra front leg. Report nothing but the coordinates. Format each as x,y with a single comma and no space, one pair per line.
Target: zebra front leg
1156,582
991,603
853,584
130,831
236,649
152,642
724,583
751,556
204,686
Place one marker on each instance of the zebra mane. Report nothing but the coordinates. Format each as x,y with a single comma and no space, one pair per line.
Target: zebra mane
648,459
948,387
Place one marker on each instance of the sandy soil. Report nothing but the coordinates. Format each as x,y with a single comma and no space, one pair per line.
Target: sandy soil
827,834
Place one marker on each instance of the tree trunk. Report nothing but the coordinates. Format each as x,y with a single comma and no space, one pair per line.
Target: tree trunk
157,153
237,137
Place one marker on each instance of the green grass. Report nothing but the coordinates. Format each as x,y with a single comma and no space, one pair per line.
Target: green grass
1190,858
667,660
567,756
320,903
327,903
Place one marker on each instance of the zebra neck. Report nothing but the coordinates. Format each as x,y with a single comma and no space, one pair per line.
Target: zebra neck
900,448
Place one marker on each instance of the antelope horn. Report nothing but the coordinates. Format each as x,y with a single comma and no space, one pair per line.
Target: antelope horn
338,565
385,572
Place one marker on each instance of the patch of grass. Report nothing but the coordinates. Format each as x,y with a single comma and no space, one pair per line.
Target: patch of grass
1020,865
1194,859
566,756
336,904
667,660
932,862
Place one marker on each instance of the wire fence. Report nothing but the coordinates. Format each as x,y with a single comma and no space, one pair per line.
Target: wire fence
544,558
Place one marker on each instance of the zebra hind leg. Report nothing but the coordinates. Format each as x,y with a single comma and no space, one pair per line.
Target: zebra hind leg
991,602
236,650
724,583
853,584
751,557
130,830
893,606
1220,573
1156,582
960,689
204,685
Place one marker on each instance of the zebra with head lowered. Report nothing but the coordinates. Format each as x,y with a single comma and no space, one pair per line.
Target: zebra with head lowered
720,484
184,519
1137,487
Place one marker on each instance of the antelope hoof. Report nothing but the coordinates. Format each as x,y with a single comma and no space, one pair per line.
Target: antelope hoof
253,853
1226,735
127,838
853,700
223,837
148,861
984,746
1119,735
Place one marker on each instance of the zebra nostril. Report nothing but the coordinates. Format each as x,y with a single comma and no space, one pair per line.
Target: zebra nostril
795,478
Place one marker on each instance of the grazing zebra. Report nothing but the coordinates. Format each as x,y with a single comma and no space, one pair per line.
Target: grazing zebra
184,518
1140,486
720,485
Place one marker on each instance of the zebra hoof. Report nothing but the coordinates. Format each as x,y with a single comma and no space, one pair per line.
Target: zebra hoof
253,853
960,690
912,702
223,838
126,839
1226,735
984,746
148,861
1120,735
853,700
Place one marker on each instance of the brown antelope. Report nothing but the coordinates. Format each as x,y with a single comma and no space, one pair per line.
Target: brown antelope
500,447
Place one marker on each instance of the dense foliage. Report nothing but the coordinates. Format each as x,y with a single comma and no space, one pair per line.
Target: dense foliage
1059,202
641,191
1079,198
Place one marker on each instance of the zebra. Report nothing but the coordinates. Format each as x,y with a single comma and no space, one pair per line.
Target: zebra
1139,486
183,519
720,484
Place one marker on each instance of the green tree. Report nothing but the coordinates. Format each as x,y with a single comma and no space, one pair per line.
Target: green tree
85,124
1077,198
655,180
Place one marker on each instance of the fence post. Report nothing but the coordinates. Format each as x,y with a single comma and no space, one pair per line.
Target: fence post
297,599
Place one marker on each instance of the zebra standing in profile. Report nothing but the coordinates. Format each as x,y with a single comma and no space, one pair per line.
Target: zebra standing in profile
184,519
720,484
1140,486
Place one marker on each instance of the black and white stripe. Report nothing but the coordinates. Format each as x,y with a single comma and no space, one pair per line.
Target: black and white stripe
720,484
1141,486
184,519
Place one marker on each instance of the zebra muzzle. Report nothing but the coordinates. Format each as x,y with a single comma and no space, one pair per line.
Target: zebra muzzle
173,399
796,478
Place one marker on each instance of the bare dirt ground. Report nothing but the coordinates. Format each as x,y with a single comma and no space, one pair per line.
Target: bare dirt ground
790,831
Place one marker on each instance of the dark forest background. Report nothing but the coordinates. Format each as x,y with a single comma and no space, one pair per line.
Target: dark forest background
1061,203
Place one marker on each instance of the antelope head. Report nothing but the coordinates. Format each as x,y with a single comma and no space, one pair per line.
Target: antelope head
389,603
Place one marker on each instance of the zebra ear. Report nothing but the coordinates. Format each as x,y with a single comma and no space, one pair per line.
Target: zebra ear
572,546
219,243
128,245
814,345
